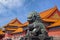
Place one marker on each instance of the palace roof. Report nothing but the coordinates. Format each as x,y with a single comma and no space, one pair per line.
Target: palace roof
18,30
1,32
51,15
10,29
14,22
48,12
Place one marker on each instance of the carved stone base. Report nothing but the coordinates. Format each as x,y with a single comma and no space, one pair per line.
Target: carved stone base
36,38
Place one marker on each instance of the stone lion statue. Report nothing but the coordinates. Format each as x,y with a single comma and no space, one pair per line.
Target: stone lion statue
36,28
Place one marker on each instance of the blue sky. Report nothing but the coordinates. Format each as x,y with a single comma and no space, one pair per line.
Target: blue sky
10,9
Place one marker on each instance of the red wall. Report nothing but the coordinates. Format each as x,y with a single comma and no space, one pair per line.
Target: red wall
54,32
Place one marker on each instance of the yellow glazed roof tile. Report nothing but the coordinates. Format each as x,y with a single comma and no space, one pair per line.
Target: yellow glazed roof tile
1,32
54,24
49,20
18,30
47,13
10,29
14,22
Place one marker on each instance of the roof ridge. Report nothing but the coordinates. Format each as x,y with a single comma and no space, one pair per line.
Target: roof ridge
13,20
47,12
56,9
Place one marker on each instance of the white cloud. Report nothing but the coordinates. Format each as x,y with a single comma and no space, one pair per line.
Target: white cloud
8,5
7,9
12,3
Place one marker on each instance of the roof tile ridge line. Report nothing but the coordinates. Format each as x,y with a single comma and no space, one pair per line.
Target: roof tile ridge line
52,13
19,21
8,22
15,20
46,10
50,26
11,20
54,9
58,12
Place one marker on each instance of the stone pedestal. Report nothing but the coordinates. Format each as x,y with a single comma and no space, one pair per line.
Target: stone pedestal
37,38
